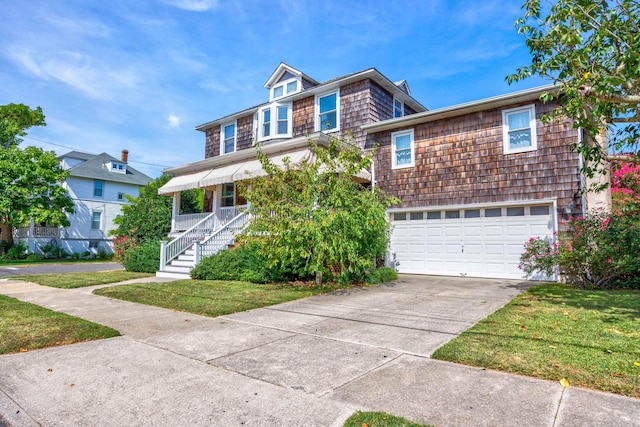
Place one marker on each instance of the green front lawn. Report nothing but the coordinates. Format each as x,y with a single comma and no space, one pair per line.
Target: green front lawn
80,280
379,419
212,297
25,326
589,337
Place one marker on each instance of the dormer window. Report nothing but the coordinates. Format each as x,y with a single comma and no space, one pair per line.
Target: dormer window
118,167
285,88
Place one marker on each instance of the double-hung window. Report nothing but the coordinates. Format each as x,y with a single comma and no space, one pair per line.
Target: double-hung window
228,136
402,149
98,188
519,129
227,198
96,219
275,121
398,108
328,112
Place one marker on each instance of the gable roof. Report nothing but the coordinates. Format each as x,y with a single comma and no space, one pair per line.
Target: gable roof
95,167
327,85
500,101
281,69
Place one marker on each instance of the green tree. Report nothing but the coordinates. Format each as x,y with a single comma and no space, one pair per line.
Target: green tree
316,216
591,50
30,189
15,119
148,217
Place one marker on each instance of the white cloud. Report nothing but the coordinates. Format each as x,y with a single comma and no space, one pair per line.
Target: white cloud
173,121
194,5
98,81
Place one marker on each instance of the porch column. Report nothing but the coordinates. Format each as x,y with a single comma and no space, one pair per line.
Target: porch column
214,207
175,210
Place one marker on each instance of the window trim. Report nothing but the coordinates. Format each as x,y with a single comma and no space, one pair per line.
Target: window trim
412,144
317,124
95,182
401,108
235,137
532,127
283,84
93,213
273,124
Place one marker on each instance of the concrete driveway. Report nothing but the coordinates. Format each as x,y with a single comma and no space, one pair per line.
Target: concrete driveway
308,362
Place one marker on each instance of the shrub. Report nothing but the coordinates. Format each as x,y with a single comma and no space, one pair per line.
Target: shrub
381,275
142,258
242,263
34,257
17,251
85,254
601,251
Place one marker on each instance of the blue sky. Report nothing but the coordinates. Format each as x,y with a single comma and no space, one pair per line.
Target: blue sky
141,74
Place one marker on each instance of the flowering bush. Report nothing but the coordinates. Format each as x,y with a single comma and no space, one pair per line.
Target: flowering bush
625,185
601,251
121,244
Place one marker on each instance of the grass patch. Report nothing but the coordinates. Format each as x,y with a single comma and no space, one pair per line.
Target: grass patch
379,419
213,297
589,337
25,326
80,280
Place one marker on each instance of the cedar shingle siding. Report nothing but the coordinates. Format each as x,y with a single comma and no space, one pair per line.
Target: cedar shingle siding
303,116
460,161
212,142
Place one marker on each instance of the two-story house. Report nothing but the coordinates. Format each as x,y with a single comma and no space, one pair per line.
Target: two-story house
97,184
475,180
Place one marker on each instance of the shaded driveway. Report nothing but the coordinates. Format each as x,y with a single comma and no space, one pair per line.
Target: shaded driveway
308,362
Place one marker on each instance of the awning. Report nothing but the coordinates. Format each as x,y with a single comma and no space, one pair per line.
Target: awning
220,175
183,182
253,168
238,172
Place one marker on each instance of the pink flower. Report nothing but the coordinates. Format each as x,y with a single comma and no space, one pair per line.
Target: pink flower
609,260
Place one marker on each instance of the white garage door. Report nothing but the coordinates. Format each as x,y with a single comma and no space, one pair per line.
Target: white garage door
474,242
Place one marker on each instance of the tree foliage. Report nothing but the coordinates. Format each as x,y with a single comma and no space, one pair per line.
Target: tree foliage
591,50
315,217
30,189
148,217
15,119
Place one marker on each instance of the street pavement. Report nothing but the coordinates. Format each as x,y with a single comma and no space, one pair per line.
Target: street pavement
311,362
7,270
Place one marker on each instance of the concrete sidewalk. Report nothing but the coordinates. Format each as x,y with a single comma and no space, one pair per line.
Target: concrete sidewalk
308,362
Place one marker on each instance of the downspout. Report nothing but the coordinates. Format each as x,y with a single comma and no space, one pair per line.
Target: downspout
583,198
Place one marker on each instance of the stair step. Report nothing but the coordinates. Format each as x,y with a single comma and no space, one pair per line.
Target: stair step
172,275
176,269
182,263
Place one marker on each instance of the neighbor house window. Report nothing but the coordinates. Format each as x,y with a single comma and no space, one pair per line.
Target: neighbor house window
275,121
228,193
120,196
519,129
98,188
398,108
228,138
95,220
402,149
328,114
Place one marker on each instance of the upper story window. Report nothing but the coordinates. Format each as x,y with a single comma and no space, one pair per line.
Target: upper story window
98,188
398,108
285,88
328,111
275,121
118,167
228,138
519,129
402,149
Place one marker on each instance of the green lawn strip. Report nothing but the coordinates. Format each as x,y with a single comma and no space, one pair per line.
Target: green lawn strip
212,297
379,419
25,326
589,337
80,280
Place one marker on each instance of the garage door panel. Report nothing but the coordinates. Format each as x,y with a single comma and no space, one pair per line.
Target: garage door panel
492,245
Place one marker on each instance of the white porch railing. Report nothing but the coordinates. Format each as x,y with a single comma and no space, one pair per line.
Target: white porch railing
185,222
229,213
171,250
38,231
221,238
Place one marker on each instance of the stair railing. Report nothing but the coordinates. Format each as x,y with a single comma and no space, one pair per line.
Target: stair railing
222,237
173,249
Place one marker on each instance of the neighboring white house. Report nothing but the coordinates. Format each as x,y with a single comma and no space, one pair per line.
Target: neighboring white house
97,184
